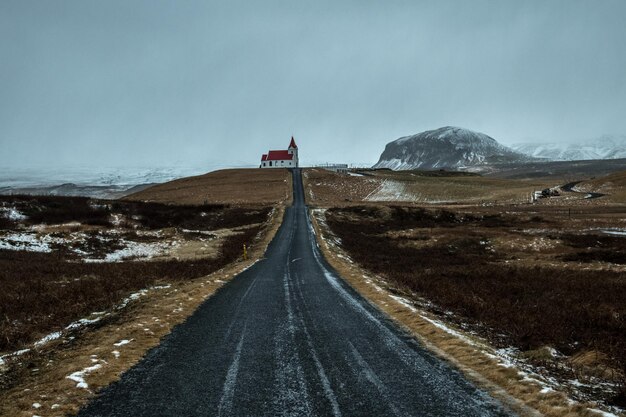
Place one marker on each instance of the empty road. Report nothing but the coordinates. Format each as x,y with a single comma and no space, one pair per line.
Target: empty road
289,337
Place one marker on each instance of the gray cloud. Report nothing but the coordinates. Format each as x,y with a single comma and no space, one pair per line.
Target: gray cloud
198,82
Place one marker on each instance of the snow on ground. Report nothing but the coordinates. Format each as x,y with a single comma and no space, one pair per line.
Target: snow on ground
92,318
510,358
87,321
35,241
46,339
391,190
11,214
436,323
28,241
616,232
507,357
122,343
136,250
20,352
79,376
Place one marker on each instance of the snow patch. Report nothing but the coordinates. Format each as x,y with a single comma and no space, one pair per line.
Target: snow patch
122,342
81,323
391,190
28,241
615,232
436,323
135,250
13,354
79,376
48,338
11,214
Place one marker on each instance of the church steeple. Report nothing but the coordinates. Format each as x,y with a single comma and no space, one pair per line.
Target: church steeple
293,150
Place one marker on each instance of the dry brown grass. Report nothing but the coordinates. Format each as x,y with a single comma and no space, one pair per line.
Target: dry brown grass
614,185
463,189
44,292
41,376
474,358
325,188
228,186
449,258
329,189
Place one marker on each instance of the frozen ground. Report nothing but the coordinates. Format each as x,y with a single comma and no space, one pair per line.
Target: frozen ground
96,244
391,190
35,241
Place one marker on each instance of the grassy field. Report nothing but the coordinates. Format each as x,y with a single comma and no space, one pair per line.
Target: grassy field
327,188
46,286
87,281
229,186
613,185
545,280
532,280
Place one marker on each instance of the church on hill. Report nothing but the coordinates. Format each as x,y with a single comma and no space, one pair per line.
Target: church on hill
281,159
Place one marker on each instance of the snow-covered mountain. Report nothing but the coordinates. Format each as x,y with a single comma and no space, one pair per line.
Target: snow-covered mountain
85,181
28,177
446,147
605,147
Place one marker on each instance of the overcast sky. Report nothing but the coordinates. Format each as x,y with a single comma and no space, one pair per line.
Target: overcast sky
150,83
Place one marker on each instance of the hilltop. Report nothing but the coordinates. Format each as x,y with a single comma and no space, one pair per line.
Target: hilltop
226,186
446,147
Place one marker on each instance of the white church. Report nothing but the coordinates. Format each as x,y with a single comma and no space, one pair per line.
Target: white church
281,159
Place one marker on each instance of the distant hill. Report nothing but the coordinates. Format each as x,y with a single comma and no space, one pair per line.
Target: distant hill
614,185
565,171
446,147
76,190
605,147
226,186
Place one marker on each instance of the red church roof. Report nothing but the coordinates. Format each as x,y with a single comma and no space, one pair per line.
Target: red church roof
277,156
292,144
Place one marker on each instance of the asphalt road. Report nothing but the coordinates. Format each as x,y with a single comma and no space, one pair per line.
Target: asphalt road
569,188
288,337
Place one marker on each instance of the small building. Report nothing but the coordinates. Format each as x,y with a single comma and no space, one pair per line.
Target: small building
281,159
340,168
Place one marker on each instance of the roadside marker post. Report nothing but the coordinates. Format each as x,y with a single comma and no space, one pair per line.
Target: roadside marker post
245,252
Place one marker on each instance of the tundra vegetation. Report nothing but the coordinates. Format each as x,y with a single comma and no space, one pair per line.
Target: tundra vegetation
549,286
46,288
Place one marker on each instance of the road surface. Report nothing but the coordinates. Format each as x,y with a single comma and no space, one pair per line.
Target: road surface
570,188
288,337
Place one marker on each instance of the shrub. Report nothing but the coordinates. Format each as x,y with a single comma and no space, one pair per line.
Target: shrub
528,307
42,292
